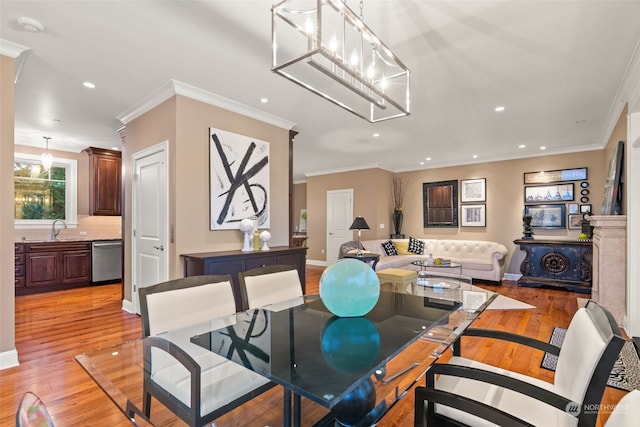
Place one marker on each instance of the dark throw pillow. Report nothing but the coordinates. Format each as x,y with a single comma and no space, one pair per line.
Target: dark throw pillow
389,249
416,246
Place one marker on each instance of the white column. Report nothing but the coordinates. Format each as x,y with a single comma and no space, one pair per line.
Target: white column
609,264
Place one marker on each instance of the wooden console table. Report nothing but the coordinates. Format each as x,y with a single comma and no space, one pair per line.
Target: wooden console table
233,262
556,263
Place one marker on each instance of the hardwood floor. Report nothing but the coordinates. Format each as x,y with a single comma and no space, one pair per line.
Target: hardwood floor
52,328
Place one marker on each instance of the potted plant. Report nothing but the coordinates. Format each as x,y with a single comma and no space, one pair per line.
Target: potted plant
398,188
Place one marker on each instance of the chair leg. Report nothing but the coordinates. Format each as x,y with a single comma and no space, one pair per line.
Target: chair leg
146,404
418,405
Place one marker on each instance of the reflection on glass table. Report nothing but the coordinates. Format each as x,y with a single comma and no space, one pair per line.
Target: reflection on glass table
336,364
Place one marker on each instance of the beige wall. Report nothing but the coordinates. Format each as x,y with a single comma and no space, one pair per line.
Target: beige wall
299,202
505,200
7,265
184,123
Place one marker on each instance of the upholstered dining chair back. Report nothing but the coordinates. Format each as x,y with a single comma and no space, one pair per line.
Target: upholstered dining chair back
627,411
32,412
464,391
182,302
195,383
268,285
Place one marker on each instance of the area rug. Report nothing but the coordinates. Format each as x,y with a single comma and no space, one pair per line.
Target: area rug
625,374
506,303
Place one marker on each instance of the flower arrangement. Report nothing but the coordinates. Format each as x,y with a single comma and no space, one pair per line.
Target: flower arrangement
398,189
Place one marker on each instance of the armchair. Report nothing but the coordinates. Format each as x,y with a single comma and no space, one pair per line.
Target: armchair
196,384
466,392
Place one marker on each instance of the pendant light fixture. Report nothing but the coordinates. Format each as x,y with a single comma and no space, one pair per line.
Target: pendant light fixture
47,158
326,48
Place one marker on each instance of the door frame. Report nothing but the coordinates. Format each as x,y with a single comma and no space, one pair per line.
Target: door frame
160,148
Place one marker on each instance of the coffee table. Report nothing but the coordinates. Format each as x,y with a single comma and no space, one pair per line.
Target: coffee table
364,257
428,270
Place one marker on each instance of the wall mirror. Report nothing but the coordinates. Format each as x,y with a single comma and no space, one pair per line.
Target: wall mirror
440,200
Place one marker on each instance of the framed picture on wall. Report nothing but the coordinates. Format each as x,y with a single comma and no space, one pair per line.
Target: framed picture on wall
575,222
573,208
585,208
548,193
239,180
473,190
545,177
440,204
473,215
546,216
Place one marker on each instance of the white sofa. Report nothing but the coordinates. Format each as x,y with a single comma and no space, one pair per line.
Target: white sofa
482,260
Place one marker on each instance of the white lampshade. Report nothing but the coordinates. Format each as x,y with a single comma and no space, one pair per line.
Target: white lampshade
47,161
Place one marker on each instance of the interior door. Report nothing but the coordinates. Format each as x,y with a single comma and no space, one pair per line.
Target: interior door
150,213
339,219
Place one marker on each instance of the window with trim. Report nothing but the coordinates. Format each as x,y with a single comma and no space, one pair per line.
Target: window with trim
43,196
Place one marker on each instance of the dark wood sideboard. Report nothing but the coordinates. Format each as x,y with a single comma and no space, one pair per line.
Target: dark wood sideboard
557,263
233,262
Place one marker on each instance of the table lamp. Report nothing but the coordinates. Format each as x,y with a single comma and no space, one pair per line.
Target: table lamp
359,224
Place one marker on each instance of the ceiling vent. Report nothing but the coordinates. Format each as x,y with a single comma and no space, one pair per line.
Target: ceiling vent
30,25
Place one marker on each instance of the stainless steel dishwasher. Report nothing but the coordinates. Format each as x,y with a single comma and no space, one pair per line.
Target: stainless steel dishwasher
106,261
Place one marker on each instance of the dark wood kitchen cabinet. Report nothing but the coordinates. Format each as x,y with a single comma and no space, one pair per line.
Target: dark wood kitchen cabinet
50,266
19,266
105,186
233,262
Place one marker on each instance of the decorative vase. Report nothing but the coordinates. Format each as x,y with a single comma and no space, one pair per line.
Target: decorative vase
265,236
349,288
248,242
397,220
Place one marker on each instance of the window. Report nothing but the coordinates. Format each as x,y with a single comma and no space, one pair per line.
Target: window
41,196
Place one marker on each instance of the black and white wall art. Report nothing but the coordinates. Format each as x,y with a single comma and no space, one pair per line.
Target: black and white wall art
239,180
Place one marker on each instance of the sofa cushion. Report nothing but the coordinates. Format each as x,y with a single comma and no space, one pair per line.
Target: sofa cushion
389,249
402,247
416,246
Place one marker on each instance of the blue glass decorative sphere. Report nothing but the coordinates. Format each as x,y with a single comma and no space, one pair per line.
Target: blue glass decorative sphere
349,288
350,344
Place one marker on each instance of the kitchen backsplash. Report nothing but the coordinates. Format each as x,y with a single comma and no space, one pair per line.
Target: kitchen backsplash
89,227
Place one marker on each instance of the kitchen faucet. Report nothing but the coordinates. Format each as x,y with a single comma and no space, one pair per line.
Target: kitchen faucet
55,233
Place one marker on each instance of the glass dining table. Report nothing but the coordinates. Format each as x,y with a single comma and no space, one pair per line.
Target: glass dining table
352,370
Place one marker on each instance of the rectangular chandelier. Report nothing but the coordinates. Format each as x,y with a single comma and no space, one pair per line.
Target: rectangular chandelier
323,46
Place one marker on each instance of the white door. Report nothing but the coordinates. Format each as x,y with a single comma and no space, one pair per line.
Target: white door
150,213
339,219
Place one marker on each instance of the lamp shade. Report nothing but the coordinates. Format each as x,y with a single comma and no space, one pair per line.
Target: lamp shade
359,223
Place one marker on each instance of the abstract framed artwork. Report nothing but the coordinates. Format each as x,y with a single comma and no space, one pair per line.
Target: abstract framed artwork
440,204
548,193
546,177
473,190
546,216
238,180
473,215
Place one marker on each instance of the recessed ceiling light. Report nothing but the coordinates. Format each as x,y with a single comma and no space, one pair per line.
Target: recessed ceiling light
422,163
521,146
475,156
543,148
375,135
499,108
264,100
428,158
89,85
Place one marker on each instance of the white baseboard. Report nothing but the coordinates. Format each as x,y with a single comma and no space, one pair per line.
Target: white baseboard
127,306
316,262
512,276
9,359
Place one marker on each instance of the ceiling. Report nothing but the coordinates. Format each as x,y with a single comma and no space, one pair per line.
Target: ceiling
556,67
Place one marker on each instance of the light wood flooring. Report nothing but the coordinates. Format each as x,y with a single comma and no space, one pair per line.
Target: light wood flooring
52,328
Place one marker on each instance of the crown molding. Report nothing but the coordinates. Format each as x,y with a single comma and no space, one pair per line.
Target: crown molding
175,87
11,49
